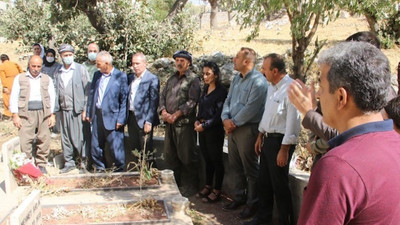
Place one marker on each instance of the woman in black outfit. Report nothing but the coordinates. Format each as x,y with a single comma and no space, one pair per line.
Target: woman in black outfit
211,131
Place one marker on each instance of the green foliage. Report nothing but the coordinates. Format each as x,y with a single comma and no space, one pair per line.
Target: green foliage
135,30
28,21
160,7
381,15
125,28
389,30
304,17
374,9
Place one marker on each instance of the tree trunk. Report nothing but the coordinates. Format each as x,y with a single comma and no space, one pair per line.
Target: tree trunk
372,22
213,14
89,8
298,61
176,8
96,19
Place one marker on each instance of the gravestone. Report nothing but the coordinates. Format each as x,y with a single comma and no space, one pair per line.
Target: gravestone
298,180
7,151
29,212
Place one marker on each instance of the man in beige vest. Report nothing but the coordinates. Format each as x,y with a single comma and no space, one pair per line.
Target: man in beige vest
32,107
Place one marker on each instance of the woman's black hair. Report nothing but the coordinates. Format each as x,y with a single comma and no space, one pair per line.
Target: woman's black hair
215,68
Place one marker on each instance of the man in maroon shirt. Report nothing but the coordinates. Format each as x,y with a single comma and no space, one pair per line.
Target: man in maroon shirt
358,180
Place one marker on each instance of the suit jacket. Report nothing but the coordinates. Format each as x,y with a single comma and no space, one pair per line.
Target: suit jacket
146,98
114,101
80,88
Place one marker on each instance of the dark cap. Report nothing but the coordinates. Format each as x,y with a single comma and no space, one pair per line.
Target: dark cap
183,54
66,48
4,57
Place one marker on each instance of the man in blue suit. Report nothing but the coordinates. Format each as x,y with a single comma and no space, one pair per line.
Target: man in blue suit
143,97
107,112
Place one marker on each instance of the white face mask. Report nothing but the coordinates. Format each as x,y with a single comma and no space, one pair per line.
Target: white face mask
50,59
68,60
92,56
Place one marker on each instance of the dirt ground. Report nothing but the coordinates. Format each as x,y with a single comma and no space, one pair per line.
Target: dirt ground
274,37
210,214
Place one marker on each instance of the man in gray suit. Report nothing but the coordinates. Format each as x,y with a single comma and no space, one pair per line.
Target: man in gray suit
72,89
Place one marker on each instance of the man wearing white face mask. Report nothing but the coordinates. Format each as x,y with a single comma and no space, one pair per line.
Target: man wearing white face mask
90,64
91,67
72,89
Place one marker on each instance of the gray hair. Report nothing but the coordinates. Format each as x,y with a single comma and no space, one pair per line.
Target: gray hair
361,69
105,56
140,55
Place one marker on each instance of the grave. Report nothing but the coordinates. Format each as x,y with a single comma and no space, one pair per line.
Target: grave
29,211
10,194
7,150
166,192
298,180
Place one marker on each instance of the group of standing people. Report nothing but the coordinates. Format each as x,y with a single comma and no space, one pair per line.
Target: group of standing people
260,114
90,108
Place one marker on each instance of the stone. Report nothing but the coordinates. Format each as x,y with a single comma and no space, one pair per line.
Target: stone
344,14
7,150
29,212
298,180
227,74
163,63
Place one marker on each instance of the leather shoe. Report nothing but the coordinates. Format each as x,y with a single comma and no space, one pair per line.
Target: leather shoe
247,212
232,205
43,169
256,221
67,169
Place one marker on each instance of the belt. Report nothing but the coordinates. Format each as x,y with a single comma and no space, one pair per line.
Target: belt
35,105
273,135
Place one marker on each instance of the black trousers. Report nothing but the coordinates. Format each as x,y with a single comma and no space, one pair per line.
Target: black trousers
211,143
136,141
273,183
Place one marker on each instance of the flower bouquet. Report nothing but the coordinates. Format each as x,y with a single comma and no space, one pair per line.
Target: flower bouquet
23,168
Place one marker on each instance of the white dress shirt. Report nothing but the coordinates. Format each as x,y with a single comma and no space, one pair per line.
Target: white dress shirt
102,87
66,74
134,88
34,94
280,116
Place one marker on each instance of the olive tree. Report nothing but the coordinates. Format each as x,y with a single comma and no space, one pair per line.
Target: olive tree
382,17
124,28
304,15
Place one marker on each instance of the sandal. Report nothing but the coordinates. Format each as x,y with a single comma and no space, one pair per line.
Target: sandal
214,196
204,192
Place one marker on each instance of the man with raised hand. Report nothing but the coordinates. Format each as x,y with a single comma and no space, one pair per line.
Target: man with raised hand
357,181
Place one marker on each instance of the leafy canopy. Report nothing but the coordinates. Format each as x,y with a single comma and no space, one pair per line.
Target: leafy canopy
304,16
118,26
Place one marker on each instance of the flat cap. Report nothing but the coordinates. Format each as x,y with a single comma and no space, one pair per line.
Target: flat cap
183,54
66,48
